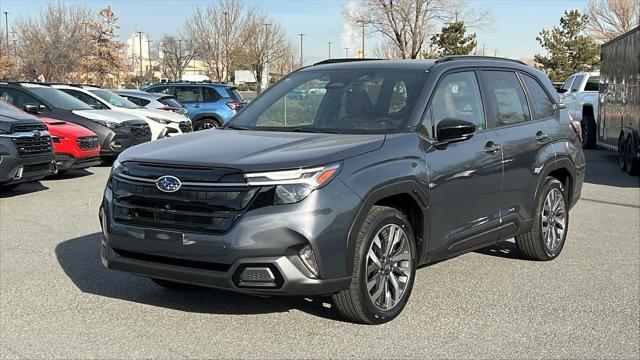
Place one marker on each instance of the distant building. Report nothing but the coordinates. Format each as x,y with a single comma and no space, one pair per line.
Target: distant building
244,77
139,44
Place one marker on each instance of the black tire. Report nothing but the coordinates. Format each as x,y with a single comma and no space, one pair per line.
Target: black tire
207,123
622,154
532,245
172,285
588,133
633,165
355,303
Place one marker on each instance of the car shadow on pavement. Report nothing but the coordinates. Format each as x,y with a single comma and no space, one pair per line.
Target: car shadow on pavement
505,249
80,260
26,188
602,169
70,174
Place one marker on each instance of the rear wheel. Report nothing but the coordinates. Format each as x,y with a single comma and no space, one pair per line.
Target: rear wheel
588,126
173,285
547,237
633,165
383,269
207,123
622,154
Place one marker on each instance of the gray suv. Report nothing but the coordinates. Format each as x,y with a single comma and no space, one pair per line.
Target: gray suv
383,167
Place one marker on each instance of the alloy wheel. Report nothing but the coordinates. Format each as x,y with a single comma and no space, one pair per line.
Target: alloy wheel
554,220
388,269
207,125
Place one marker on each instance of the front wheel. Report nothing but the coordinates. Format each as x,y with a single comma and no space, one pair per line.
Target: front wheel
633,165
588,126
205,124
383,269
547,237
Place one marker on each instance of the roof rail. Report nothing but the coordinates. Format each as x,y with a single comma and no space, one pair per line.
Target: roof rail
475,57
337,61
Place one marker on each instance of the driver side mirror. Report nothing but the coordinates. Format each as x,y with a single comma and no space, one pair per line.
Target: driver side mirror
453,130
561,90
33,109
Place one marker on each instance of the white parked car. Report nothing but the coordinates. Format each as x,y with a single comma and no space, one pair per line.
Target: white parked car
580,94
162,123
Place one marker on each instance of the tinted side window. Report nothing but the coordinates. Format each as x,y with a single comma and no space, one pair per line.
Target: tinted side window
18,98
506,97
210,95
188,94
458,97
89,100
577,83
162,90
541,105
567,84
137,101
593,83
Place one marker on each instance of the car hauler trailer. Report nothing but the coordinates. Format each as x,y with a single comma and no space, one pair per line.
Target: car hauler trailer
619,100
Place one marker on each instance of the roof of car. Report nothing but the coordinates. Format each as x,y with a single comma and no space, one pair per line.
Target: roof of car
406,64
141,93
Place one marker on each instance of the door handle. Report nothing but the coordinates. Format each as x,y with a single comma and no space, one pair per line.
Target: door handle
492,148
540,136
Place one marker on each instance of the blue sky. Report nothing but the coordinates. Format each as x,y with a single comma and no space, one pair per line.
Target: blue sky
515,27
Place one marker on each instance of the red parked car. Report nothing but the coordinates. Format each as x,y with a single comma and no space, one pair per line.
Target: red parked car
76,147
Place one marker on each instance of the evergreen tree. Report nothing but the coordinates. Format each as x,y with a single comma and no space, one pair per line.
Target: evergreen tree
568,50
103,59
453,41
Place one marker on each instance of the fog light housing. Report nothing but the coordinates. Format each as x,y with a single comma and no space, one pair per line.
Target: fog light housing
115,145
309,260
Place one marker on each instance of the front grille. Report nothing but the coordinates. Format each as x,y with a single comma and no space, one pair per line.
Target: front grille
185,126
141,131
29,127
32,146
87,142
192,208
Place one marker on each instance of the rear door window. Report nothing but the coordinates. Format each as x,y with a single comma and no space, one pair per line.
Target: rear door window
576,84
541,104
189,94
506,97
593,83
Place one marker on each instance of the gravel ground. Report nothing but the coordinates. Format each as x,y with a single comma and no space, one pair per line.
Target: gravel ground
57,301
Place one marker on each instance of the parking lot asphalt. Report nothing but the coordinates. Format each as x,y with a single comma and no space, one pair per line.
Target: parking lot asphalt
57,301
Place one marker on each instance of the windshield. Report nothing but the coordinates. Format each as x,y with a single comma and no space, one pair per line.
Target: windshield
59,99
350,101
114,99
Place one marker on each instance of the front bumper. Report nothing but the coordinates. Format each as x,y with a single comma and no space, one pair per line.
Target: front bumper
124,137
16,169
69,162
270,237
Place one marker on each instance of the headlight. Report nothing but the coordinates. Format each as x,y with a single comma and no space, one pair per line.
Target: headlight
109,124
56,139
159,120
294,185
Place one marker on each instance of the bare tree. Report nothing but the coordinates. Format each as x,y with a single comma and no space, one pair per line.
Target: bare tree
387,49
284,60
48,46
266,41
175,55
407,23
218,33
610,18
7,61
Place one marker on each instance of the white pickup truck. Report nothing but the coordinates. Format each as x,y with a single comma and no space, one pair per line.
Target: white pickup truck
580,94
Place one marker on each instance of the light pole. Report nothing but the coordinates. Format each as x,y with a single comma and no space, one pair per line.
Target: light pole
149,54
301,52
140,48
265,75
329,43
363,24
346,53
6,28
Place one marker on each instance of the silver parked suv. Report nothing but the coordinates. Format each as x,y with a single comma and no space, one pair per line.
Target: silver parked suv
344,192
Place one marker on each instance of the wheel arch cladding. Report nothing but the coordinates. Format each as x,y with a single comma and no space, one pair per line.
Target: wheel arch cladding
404,196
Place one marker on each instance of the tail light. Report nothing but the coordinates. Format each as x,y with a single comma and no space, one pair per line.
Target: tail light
575,125
234,105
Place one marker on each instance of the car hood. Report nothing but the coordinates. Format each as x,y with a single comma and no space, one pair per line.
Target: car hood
106,115
253,150
162,114
66,129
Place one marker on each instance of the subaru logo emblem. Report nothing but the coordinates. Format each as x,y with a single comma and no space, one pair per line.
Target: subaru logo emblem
168,183
36,133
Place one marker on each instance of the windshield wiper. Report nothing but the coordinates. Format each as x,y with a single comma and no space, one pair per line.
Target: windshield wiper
237,127
309,130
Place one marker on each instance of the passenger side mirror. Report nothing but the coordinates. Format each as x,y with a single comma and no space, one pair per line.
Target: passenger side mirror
453,130
33,109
